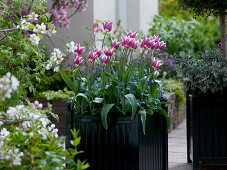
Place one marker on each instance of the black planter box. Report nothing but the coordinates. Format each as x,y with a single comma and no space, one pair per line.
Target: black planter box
207,130
123,146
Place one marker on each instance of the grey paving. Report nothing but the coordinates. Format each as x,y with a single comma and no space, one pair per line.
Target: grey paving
178,149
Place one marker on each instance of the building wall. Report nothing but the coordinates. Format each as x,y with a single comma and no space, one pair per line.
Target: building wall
75,32
104,10
148,8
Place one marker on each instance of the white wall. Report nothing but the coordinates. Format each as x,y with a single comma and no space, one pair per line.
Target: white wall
104,10
133,15
140,13
148,8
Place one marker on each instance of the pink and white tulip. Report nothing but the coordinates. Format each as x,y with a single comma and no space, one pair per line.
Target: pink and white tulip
107,26
156,63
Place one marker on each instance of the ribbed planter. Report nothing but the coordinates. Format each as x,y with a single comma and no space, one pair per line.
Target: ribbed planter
123,146
207,130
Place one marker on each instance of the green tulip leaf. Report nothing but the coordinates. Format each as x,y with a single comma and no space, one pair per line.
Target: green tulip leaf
98,100
165,114
68,81
82,95
132,100
143,119
105,110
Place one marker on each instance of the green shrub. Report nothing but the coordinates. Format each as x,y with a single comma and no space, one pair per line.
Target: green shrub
207,72
176,87
54,95
169,8
50,81
189,36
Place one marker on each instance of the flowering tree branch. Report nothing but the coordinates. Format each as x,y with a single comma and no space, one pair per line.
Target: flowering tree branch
11,29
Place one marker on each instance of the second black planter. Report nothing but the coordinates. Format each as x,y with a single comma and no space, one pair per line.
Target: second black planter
207,129
123,146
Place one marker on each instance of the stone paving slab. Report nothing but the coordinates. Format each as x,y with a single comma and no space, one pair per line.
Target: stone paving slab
178,149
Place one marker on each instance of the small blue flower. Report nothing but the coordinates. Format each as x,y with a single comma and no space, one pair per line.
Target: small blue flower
143,102
90,101
127,88
120,102
141,93
157,100
117,87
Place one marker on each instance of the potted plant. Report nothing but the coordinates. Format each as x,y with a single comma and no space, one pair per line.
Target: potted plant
206,77
117,104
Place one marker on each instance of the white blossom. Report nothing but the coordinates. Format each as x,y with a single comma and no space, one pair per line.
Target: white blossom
40,28
14,83
34,39
36,102
71,47
24,25
8,84
40,106
33,16
4,132
55,60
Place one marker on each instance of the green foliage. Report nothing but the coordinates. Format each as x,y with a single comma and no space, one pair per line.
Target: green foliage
54,95
206,72
189,36
205,7
17,54
51,81
170,8
176,87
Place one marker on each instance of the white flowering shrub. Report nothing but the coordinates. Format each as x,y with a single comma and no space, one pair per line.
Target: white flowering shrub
8,84
28,140
55,60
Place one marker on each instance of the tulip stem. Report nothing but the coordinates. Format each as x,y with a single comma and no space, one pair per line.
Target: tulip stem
142,57
104,39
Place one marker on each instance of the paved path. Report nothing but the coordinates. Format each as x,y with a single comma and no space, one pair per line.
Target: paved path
178,149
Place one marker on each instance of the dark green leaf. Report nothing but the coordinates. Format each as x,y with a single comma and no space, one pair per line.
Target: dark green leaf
143,119
105,110
132,100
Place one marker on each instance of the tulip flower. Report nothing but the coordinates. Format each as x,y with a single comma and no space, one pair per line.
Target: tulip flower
151,45
108,52
78,61
128,42
156,39
79,50
91,56
131,34
104,60
144,42
160,46
156,63
98,52
219,45
115,45
107,26
134,45
95,25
